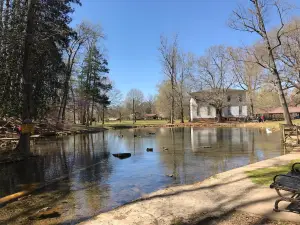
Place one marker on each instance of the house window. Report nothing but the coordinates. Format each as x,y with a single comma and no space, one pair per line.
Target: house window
208,111
240,98
229,111
228,98
240,110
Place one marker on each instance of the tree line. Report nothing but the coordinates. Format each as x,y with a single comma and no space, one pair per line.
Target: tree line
50,70
269,65
67,65
268,70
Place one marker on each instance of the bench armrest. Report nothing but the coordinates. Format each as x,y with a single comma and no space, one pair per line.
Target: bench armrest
293,167
284,175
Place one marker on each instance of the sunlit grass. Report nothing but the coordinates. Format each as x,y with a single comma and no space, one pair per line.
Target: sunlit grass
273,124
129,123
264,176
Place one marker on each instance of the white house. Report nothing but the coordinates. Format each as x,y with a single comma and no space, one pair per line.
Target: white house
235,101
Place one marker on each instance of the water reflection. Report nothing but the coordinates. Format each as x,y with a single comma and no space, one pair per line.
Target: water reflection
96,181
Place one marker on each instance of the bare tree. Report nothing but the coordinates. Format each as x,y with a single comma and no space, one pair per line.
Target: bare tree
162,101
266,98
289,55
150,104
134,100
85,34
169,59
214,72
253,19
249,76
185,71
116,105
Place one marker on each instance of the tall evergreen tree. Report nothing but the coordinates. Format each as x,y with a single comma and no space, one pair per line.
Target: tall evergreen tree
51,34
93,82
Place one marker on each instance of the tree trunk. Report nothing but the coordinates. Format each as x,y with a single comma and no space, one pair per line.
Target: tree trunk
133,112
181,110
283,102
103,114
71,61
252,109
120,116
59,112
219,115
172,101
273,66
87,124
1,24
24,142
250,102
64,104
83,119
92,113
74,106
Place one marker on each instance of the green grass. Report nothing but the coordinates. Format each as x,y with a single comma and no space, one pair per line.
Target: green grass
264,176
141,123
128,123
276,123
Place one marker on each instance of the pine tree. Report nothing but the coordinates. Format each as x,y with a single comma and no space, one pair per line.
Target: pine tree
93,82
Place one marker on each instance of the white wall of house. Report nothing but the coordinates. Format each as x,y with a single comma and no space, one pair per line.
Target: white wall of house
236,99
206,112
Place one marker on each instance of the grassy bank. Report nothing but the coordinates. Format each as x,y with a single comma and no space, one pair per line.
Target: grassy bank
269,124
164,123
264,176
139,123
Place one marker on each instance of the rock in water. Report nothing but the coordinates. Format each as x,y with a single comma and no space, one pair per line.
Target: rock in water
149,149
45,213
122,155
206,146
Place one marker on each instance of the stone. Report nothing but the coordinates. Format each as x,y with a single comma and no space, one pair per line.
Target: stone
45,213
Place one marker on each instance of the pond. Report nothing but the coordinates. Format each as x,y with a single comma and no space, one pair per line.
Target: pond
97,181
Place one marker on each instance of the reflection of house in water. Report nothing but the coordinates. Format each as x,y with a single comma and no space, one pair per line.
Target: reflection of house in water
221,139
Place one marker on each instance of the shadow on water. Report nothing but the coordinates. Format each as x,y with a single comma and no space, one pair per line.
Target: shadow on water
97,181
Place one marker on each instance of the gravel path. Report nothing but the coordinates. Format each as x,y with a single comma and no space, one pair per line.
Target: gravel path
209,200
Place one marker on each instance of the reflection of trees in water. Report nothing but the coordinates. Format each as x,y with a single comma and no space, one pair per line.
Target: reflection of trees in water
59,157
174,159
135,141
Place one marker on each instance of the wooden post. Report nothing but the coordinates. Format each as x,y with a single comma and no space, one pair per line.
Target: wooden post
297,134
281,126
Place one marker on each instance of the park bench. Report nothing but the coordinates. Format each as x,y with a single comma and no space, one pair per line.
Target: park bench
290,183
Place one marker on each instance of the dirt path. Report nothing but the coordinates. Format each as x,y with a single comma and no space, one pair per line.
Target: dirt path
234,218
215,197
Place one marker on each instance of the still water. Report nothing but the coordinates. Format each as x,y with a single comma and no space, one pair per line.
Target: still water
98,181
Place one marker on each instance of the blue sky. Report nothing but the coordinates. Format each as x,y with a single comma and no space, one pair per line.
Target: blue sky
133,29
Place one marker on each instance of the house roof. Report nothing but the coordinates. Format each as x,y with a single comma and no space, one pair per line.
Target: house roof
208,90
278,110
150,115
